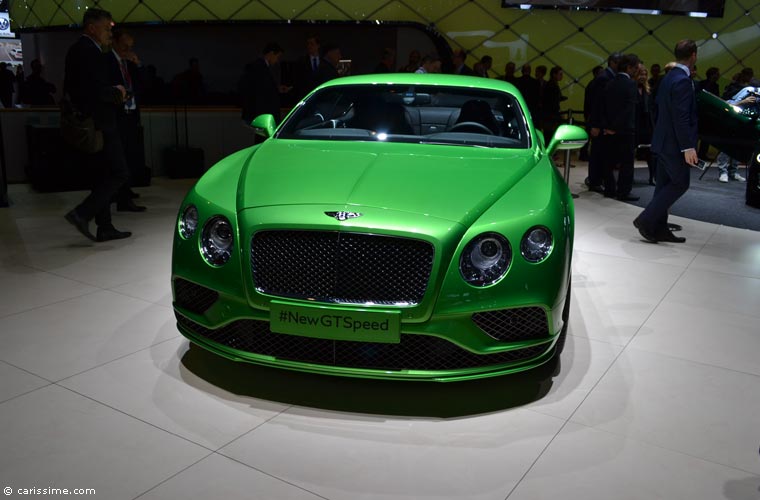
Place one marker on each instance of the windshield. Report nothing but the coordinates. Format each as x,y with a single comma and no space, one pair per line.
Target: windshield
424,114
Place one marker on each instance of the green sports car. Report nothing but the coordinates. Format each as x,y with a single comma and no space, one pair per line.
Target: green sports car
402,226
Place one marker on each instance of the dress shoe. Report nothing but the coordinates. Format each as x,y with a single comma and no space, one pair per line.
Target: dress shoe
628,197
78,222
669,237
643,232
674,227
129,206
108,233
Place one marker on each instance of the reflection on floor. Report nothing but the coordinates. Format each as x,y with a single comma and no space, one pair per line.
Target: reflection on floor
657,396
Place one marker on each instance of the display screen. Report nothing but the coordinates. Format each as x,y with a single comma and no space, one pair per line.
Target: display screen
695,8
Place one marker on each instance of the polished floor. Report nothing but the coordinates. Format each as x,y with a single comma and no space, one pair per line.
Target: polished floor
657,395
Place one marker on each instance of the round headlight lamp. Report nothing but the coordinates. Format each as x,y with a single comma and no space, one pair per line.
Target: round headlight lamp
485,259
537,244
188,222
216,241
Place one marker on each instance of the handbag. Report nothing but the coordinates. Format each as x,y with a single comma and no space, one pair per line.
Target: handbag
78,130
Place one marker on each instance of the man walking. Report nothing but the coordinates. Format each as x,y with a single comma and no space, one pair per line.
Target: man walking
87,84
674,141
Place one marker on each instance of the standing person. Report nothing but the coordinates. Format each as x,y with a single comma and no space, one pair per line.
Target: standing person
387,61
258,87
620,127
674,141
709,84
485,65
645,120
459,58
36,90
431,63
308,68
598,86
552,99
540,74
529,88
125,71
583,154
509,73
88,86
7,79
412,64
328,68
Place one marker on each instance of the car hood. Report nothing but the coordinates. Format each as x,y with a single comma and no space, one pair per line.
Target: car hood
456,183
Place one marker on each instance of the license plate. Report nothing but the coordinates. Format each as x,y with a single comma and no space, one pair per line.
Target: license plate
335,324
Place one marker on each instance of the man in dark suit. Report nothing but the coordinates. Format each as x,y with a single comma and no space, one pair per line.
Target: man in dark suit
619,110
674,141
596,91
125,71
259,89
458,58
328,67
88,86
307,68
530,90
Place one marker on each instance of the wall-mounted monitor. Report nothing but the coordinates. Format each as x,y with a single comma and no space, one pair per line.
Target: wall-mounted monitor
694,8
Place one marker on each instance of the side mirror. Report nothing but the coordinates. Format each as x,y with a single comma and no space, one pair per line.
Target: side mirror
264,125
567,137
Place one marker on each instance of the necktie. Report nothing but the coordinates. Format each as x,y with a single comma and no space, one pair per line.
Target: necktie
314,64
129,103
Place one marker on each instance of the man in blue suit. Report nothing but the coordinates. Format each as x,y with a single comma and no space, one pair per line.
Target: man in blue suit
674,141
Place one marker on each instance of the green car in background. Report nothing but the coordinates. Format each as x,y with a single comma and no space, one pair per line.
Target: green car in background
399,226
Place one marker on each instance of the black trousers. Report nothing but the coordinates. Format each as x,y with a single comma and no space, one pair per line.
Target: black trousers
111,171
596,161
673,179
620,152
134,154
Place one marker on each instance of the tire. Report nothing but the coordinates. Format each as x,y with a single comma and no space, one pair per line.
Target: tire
560,345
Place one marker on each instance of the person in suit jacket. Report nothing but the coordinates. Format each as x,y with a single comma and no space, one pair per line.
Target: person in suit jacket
259,89
88,86
328,68
459,58
674,141
595,123
619,110
529,88
307,68
125,70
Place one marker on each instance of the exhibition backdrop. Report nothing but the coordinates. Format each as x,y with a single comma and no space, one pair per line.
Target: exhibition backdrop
575,40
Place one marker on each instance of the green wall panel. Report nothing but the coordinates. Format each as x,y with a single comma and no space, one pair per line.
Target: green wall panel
577,41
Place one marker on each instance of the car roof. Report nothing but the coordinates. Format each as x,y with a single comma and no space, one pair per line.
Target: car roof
424,79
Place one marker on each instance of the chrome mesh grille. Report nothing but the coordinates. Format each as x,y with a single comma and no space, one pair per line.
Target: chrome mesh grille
414,352
512,325
194,298
332,266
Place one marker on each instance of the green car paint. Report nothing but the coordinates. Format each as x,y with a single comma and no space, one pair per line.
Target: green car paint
418,189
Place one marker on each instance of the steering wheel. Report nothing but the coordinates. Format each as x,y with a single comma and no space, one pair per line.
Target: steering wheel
479,126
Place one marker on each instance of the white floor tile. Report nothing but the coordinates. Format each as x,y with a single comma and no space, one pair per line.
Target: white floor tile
728,340
155,386
583,362
721,293
587,464
219,477
619,238
55,438
14,382
65,338
351,457
703,411
613,296
731,250
24,289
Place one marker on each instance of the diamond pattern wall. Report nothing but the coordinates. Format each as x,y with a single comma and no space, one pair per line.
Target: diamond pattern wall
577,41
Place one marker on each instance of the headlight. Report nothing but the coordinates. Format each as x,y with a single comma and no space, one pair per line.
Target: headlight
216,241
485,259
188,223
536,244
